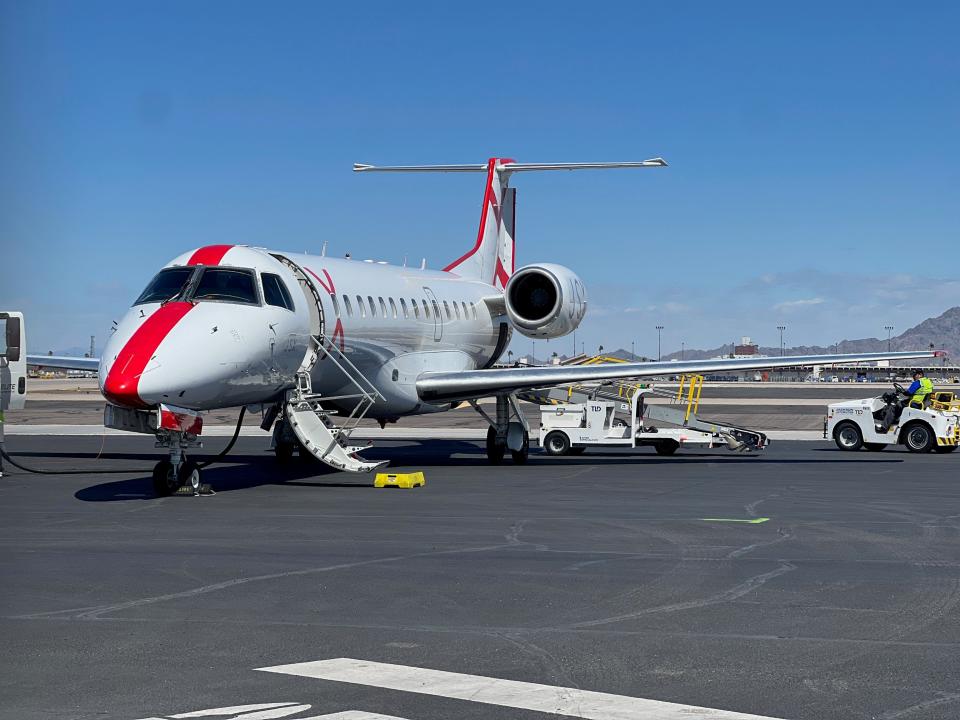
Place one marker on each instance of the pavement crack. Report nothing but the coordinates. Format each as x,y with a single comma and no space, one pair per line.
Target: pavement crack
737,591
95,612
943,699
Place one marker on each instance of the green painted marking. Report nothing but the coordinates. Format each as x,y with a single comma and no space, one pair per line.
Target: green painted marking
751,521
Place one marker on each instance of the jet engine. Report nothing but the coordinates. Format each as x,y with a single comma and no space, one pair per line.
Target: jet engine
545,301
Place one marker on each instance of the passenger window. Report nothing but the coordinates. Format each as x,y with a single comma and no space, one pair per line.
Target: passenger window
426,310
436,309
336,305
465,316
473,310
363,312
166,285
393,308
227,285
373,308
383,307
347,305
446,307
403,307
275,291
456,309
416,309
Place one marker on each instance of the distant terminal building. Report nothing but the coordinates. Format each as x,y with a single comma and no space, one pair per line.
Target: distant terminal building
746,349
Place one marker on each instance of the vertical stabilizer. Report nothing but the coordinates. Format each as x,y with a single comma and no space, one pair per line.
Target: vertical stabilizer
492,257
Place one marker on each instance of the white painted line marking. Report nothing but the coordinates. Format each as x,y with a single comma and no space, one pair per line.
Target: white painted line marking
353,715
571,702
266,711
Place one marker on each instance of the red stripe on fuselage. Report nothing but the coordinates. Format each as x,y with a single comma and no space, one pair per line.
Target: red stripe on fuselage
332,290
209,255
122,383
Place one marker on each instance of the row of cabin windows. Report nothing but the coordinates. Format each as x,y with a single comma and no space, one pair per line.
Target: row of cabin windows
460,309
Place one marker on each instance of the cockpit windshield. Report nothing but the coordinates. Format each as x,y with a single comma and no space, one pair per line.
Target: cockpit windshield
166,285
227,285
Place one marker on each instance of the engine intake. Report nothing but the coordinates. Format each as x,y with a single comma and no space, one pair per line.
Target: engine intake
545,301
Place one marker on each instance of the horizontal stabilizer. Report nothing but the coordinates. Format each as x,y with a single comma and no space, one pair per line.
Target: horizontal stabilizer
508,167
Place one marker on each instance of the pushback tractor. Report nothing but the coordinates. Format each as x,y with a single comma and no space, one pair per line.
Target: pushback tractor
876,422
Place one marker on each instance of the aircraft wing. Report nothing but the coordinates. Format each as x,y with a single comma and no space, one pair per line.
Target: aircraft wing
468,384
62,362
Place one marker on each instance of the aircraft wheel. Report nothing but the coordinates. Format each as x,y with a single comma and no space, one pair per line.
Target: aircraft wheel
164,480
284,452
189,475
496,448
666,447
577,449
847,436
918,437
556,443
875,447
520,456
945,448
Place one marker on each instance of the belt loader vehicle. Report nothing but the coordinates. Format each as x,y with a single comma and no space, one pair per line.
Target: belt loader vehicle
604,418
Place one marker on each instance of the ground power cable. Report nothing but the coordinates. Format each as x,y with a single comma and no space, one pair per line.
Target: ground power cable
40,471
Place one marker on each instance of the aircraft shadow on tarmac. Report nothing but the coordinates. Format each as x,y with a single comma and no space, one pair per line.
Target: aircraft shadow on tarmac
246,471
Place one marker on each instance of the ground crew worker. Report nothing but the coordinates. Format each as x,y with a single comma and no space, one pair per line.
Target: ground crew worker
919,390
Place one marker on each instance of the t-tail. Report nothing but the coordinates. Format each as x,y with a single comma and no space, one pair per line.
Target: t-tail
492,258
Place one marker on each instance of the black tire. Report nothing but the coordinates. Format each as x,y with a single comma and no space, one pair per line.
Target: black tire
521,456
189,475
578,450
284,452
164,480
918,437
847,436
556,443
495,449
945,448
666,447
875,447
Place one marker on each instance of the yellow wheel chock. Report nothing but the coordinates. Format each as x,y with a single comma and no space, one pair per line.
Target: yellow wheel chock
399,480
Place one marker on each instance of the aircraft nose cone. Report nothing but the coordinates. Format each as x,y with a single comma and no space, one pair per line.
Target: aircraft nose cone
120,388
122,384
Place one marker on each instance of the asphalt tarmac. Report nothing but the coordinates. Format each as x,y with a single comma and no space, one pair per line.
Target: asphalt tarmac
594,573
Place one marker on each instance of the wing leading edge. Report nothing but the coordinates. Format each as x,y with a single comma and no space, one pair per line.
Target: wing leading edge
466,385
62,362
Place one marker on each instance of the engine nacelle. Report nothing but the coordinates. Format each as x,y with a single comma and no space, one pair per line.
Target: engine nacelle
545,301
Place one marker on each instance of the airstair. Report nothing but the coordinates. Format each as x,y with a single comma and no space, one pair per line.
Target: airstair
681,410
312,424
305,417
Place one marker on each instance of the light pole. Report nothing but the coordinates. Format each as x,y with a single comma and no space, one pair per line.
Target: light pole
781,328
889,329
659,354
683,346
633,350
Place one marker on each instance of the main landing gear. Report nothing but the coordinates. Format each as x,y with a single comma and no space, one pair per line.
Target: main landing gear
509,432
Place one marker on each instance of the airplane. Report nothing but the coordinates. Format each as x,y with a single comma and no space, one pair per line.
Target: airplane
314,340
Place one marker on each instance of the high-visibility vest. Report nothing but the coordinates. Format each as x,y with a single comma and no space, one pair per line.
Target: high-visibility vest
926,387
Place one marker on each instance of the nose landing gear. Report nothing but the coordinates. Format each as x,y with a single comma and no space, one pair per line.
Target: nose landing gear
178,475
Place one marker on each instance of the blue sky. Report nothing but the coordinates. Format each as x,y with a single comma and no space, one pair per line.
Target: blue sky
814,152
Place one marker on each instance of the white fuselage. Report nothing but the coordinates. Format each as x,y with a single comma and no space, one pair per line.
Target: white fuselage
392,323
